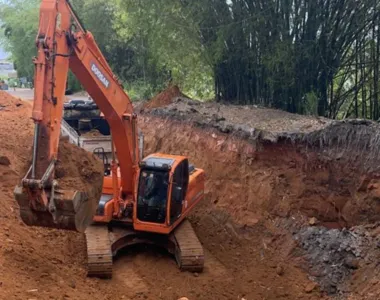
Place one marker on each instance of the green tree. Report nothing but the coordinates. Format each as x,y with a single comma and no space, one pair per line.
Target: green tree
19,23
303,56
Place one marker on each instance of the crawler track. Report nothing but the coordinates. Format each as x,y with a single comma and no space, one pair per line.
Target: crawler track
188,251
104,242
99,252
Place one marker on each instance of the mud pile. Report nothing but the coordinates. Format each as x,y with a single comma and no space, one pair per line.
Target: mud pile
35,263
164,98
79,170
15,116
92,133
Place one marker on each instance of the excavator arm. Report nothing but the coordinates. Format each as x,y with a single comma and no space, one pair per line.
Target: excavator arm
63,43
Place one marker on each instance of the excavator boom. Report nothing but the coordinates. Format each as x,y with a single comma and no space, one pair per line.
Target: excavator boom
62,43
141,202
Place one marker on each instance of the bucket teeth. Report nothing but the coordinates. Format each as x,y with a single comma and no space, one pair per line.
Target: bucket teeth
73,210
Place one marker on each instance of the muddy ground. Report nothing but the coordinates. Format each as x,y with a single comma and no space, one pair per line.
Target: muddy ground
276,201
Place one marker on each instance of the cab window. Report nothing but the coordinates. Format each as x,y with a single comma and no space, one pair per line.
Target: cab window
179,189
152,196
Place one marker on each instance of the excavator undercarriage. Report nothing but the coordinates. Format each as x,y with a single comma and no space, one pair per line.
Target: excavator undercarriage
104,242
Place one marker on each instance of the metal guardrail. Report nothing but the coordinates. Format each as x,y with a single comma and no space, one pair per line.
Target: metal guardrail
90,143
67,130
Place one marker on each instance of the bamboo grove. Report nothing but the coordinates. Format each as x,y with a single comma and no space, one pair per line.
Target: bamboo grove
318,57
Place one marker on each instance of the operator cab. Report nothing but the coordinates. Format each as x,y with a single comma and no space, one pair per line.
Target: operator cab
163,184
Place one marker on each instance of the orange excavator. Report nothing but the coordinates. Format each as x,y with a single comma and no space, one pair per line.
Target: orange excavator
143,201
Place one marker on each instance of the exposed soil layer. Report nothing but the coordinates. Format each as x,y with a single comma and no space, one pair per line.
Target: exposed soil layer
263,192
79,170
31,259
254,178
164,98
50,264
230,118
295,171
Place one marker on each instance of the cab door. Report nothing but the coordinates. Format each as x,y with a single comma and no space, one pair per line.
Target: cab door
179,188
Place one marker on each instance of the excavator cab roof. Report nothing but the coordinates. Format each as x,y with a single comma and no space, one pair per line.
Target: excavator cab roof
157,163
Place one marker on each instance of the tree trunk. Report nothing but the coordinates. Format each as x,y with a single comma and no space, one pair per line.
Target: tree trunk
356,79
363,79
376,39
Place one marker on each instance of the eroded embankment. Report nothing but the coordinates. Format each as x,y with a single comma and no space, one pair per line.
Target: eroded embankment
328,177
331,174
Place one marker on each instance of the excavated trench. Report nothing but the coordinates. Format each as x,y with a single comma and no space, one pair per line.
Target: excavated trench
315,193
291,211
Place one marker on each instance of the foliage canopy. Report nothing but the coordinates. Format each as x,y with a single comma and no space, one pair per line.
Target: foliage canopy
306,56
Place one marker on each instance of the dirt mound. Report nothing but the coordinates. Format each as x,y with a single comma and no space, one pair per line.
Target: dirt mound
9,103
77,169
164,98
16,129
34,262
248,119
92,133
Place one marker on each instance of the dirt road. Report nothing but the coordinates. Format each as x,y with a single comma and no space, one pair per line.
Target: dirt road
28,94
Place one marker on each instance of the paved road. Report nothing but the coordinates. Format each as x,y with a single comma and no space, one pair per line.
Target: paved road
28,94
25,94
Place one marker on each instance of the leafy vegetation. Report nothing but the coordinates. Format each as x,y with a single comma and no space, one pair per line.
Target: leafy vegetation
19,29
317,57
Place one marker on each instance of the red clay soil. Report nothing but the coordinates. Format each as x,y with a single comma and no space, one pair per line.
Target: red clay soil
164,98
252,199
80,170
35,263
250,190
77,168
241,261
242,149
279,180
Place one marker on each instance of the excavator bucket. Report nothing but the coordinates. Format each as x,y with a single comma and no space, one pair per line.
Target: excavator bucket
73,210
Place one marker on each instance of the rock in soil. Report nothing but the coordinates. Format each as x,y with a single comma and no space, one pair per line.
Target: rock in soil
4,161
310,287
